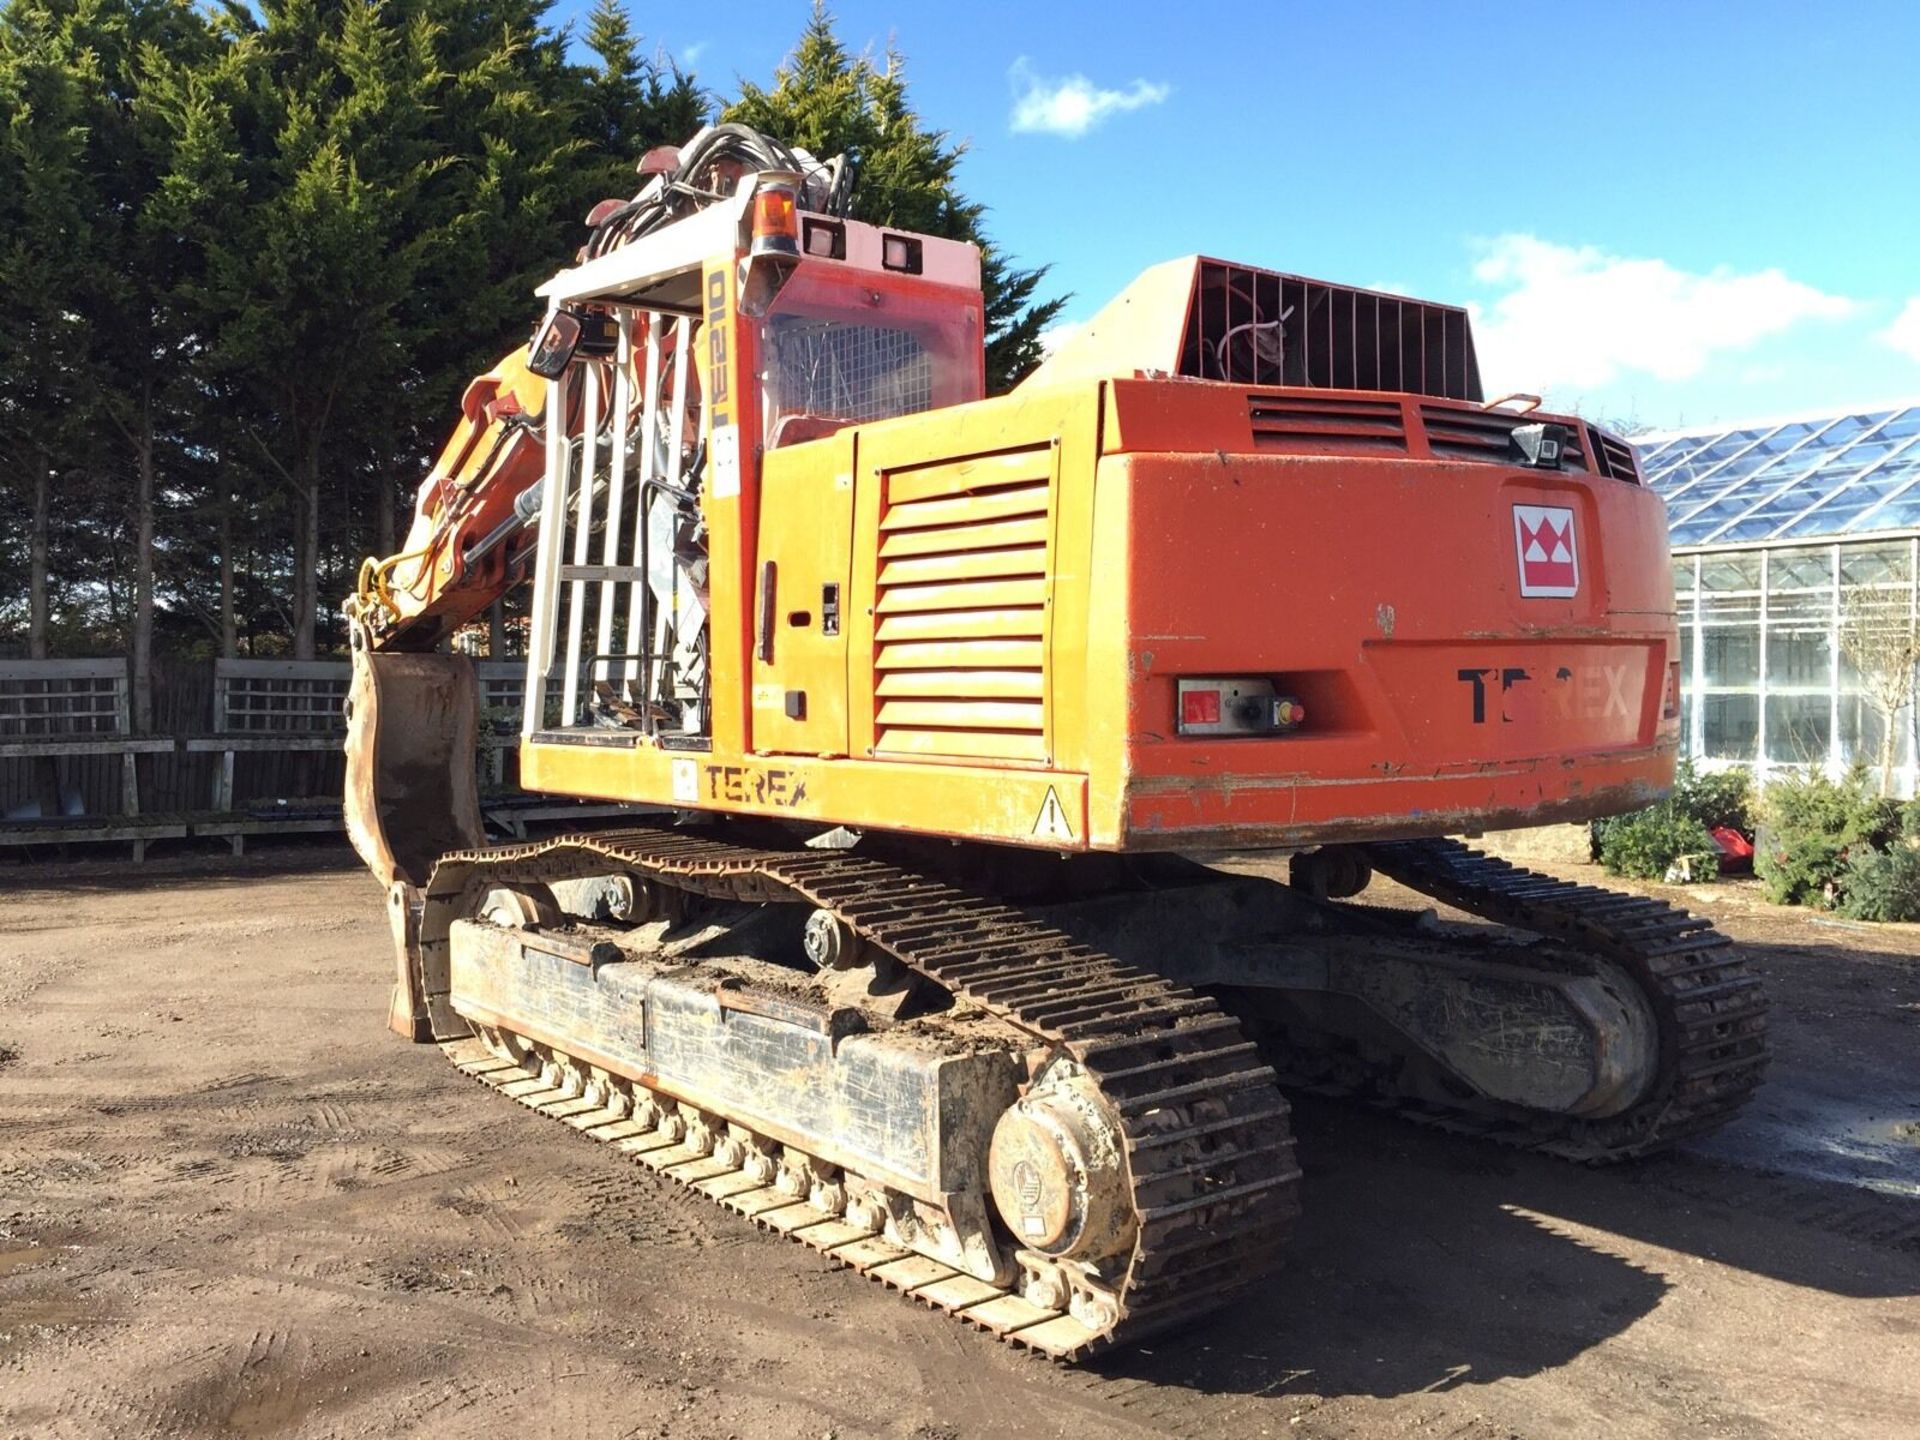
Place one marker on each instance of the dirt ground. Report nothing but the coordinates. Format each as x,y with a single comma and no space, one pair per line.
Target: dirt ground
232,1204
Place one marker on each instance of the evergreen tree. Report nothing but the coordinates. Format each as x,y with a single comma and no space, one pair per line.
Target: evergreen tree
42,168
831,102
630,103
402,169
251,256
88,280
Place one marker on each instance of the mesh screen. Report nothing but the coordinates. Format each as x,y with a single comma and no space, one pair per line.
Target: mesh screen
846,372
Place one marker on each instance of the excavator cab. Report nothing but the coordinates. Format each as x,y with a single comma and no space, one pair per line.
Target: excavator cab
763,328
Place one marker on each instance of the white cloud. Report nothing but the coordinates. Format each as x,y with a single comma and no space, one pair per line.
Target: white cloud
1904,333
1054,336
1568,316
691,53
1072,104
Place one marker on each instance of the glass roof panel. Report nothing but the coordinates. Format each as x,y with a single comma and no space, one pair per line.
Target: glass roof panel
1809,475
1696,466
1756,470
1863,505
1804,478
1865,478
1903,511
1687,533
1657,456
1887,499
1682,450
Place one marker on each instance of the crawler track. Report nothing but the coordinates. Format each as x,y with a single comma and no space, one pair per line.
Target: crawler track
1710,1008
1209,1149
1210,1152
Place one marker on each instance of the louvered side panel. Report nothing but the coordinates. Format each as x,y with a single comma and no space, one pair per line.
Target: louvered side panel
960,609
991,684
955,653
948,624
1310,424
985,535
1013,500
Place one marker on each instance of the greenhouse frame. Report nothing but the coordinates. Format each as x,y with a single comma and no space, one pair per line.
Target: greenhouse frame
1795,549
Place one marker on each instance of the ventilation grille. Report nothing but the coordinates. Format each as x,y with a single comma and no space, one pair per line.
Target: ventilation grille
1613,455
1484,435
960,615
1260,327
1317,425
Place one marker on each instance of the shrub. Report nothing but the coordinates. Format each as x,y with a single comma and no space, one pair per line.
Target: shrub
1882,884
1644,844
1715,797
1810,826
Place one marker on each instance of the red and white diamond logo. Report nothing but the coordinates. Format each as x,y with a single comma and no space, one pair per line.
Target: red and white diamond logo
1549,564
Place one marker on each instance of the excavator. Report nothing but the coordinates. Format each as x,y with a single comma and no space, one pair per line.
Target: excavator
1007,769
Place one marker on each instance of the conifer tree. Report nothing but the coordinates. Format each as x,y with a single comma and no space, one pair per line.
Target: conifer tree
43,137
829,102
630,103
89,278
401,175
251,255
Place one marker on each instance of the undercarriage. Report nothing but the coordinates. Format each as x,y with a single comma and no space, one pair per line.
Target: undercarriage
1063,1119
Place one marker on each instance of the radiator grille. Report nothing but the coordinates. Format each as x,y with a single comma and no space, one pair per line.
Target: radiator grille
846,372
960,611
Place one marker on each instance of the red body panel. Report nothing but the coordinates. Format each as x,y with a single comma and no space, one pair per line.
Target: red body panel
1386,595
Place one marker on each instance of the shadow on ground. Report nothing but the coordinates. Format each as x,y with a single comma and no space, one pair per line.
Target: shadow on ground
1424,1262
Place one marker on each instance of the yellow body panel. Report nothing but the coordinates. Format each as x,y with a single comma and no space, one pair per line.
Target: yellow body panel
951,605
799,658
1019,806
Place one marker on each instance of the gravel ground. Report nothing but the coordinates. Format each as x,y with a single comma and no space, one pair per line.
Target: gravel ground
232,1204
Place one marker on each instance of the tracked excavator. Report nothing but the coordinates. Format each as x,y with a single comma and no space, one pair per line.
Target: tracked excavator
940,704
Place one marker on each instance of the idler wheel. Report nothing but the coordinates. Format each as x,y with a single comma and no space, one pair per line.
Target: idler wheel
519,907
830,944
1333,872
1057,1167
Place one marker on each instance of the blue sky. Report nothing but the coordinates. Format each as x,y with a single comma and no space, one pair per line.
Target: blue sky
1670,213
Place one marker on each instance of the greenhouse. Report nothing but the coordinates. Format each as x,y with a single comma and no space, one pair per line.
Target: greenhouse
1795,547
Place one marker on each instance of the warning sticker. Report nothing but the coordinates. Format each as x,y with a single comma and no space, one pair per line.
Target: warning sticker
1549,563
686,781
1051,823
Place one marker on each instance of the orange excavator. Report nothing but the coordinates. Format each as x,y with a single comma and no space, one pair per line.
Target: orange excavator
941,705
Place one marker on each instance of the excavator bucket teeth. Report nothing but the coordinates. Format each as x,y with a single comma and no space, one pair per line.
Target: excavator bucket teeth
412,790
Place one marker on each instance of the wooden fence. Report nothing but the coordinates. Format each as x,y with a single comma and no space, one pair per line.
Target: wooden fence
236,747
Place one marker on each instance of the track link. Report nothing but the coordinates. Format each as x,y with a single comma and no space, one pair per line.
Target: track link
1710,1008
1209,1149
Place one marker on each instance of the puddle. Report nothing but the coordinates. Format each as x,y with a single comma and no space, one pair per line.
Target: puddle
23,1317
1821,1137
25,1257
